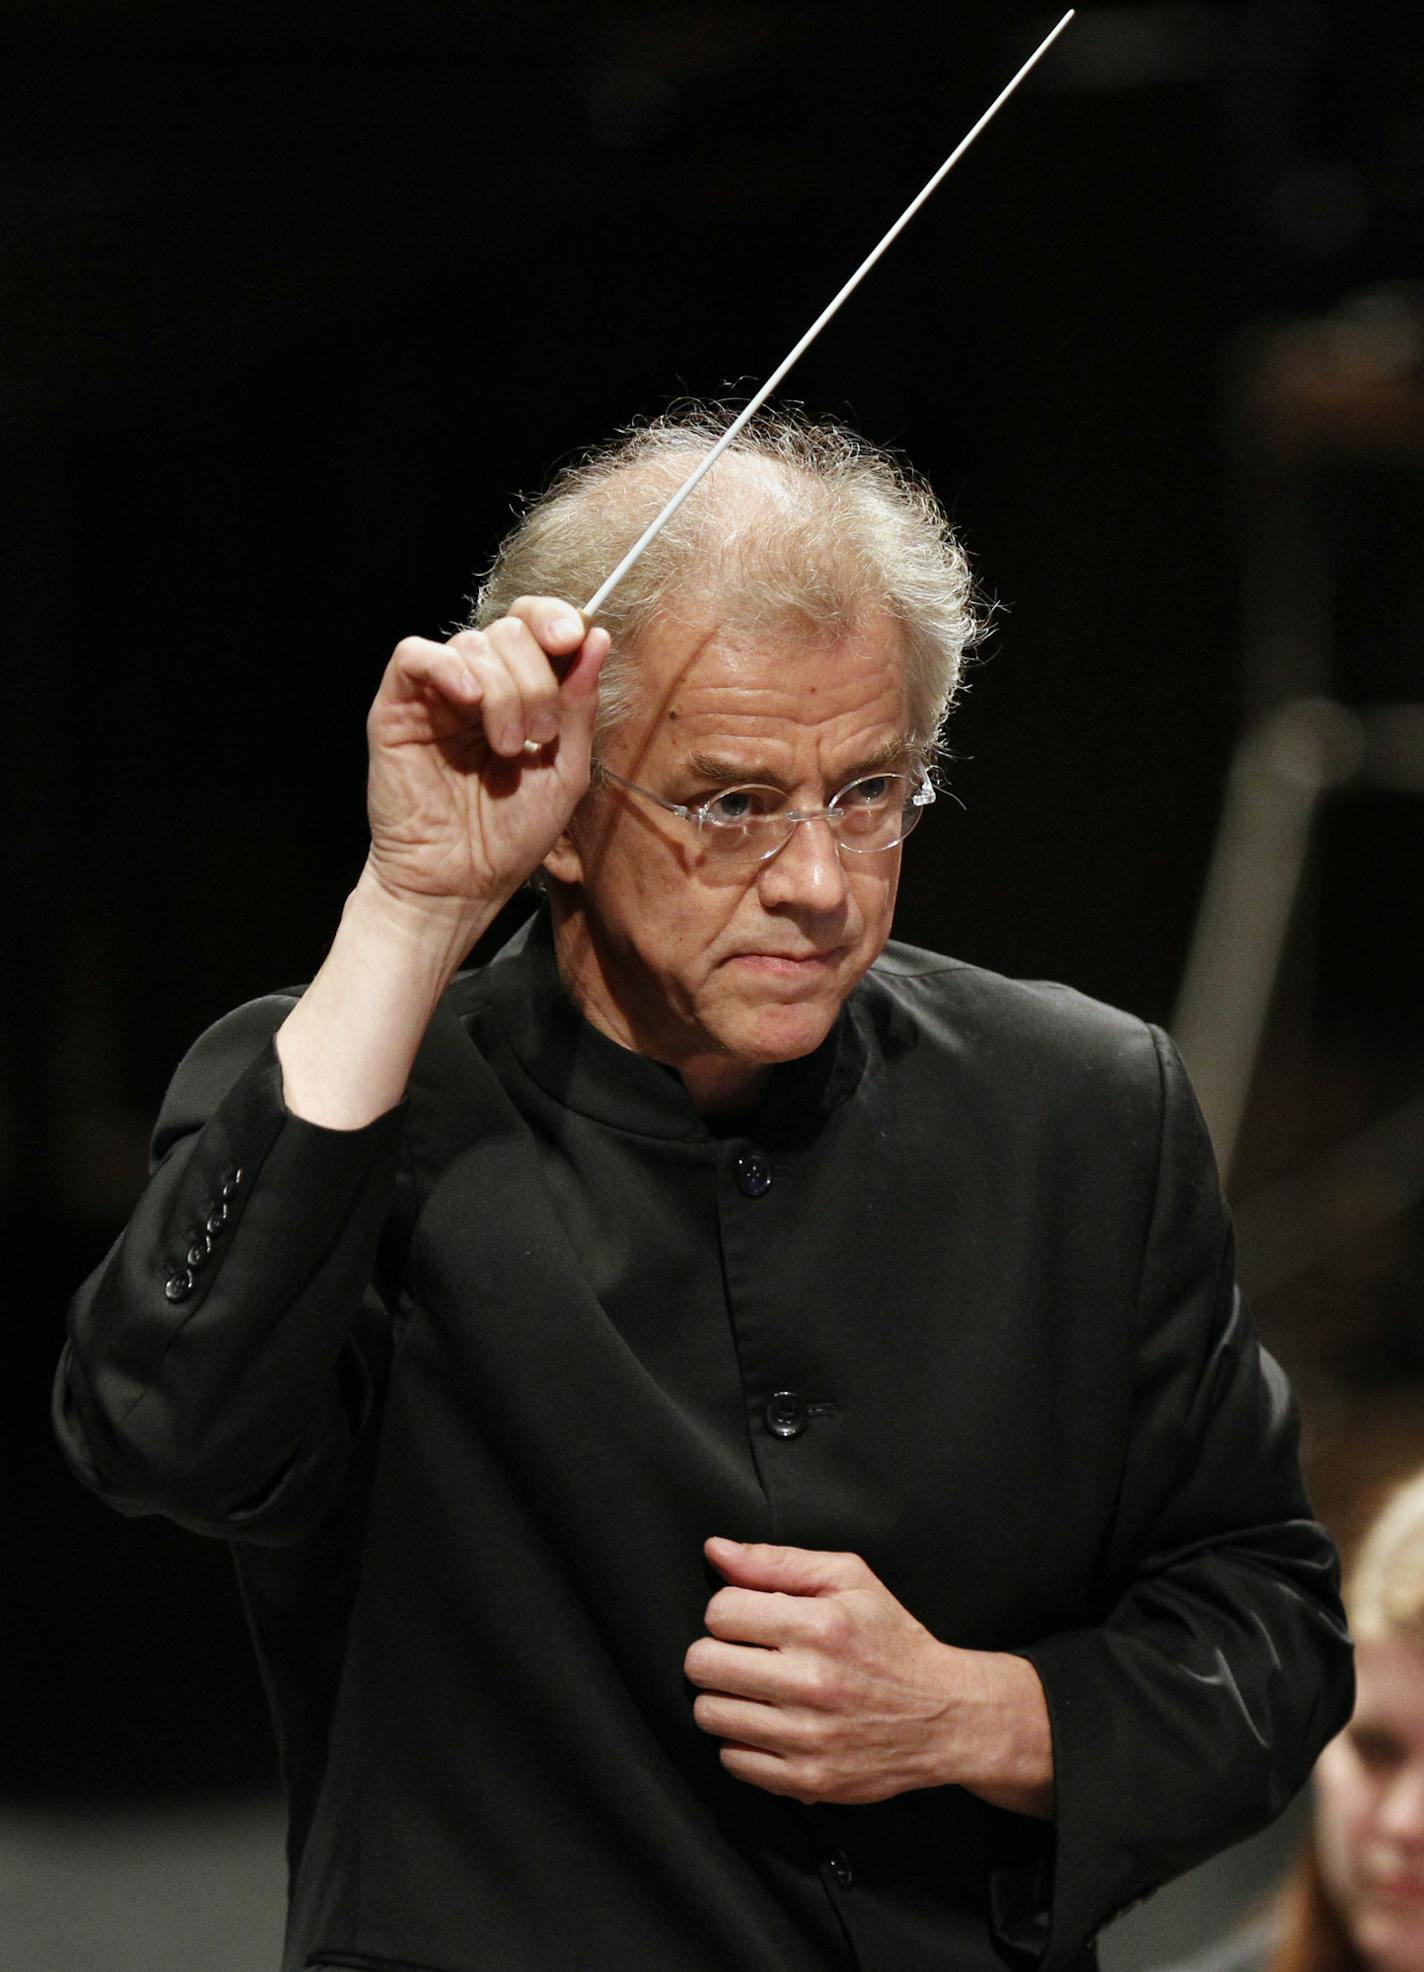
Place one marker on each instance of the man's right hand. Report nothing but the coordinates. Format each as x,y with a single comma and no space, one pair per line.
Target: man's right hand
460,812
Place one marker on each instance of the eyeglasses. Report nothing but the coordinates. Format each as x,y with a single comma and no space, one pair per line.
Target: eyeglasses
751,824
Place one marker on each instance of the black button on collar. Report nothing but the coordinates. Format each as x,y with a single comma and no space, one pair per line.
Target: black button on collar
179,1285
786,1415
839,1866
752,1172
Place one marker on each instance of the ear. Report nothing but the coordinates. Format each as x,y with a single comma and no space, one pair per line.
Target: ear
564,863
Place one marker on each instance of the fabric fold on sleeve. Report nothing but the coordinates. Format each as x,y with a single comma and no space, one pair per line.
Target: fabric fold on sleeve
1192,1710
214,1368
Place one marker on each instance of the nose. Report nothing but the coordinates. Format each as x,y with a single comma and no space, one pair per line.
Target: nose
806,871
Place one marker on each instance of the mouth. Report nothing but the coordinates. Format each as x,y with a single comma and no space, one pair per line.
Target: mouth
783,965
1397,1889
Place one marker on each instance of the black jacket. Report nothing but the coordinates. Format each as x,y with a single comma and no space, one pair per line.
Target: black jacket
467,1389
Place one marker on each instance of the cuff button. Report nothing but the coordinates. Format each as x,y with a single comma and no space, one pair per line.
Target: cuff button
179,1285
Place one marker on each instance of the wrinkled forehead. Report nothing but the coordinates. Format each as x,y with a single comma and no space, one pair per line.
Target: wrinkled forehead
699,682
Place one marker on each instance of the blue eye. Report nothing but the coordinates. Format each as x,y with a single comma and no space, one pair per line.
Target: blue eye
741,804
872,792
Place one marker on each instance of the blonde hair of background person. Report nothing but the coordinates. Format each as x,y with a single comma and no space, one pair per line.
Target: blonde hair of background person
1356,1900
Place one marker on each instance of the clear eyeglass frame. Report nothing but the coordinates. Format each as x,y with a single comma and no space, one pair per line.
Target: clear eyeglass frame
759,836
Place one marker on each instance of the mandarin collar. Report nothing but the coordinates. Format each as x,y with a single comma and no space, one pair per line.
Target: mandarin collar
589,1073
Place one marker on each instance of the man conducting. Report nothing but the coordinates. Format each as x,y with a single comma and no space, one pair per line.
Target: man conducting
738,1438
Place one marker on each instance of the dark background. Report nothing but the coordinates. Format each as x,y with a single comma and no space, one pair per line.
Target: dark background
298,297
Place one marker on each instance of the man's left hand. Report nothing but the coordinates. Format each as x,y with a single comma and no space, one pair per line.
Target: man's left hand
824,1687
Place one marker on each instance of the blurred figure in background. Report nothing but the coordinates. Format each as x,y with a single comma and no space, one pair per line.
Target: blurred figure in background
1357,1898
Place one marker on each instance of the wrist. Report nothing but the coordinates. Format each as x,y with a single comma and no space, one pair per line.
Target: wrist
994,1737
424,939
348,1045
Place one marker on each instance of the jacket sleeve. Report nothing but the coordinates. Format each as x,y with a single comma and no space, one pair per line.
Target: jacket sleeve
220,1361
1191,1712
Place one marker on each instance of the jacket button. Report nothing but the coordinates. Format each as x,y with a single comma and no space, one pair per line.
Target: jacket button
198,1252
179,1285
839,1866
216,1220
752,1172
230,1183
786,1415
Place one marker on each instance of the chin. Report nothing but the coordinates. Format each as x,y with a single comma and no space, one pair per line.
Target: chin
1392,1943
784,1034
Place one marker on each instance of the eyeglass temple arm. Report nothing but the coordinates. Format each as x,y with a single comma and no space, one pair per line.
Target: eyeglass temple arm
679,808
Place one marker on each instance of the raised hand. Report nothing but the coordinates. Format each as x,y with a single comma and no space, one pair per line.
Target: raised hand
822,1686
461,812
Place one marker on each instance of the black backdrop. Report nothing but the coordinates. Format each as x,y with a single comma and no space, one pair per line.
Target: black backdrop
299,296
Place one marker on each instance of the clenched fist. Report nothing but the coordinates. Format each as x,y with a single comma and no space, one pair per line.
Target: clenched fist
461,810
824,1687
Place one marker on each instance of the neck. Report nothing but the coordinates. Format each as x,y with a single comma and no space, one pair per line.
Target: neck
723,1090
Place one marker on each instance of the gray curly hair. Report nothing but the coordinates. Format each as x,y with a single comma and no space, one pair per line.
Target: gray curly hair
798,523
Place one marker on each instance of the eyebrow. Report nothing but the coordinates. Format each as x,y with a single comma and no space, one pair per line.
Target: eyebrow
716,767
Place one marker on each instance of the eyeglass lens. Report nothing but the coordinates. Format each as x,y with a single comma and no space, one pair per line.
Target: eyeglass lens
874,813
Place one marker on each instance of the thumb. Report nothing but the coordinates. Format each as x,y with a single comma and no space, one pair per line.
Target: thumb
579,690
792,1570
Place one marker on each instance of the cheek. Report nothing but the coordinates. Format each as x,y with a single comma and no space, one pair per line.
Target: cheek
875,891
637,877
1342,1809
675,915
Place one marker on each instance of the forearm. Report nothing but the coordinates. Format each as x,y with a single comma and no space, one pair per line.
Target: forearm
993,1734
201,1378
347,1047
